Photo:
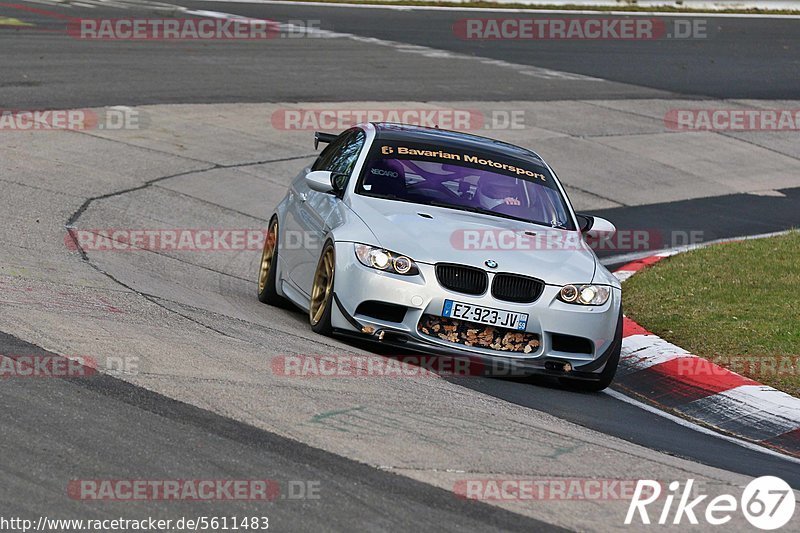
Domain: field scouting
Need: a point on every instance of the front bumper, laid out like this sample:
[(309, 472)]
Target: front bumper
[(422, 295)]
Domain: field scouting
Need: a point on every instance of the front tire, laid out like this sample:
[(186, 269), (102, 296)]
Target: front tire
[(321, 305), (268, 268)]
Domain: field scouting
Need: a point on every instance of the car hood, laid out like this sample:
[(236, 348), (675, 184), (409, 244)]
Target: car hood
[(431, 234)]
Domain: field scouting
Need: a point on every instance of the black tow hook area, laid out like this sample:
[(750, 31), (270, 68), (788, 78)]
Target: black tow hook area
[(559, 366)]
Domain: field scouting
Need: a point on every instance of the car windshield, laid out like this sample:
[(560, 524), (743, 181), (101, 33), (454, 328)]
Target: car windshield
[(519, 190)]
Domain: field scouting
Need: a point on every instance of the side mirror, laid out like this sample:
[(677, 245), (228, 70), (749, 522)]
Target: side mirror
[(584, 222), (596, 228), (320, 180)]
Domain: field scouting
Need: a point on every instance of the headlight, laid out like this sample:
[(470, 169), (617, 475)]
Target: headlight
[(385, 260), (585, 294), (569, 293)]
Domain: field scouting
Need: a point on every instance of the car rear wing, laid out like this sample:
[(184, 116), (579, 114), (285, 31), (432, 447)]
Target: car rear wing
[(320, 137)]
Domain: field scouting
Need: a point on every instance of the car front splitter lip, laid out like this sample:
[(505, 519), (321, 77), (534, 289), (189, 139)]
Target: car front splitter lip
[(482, 364), (493, 366)]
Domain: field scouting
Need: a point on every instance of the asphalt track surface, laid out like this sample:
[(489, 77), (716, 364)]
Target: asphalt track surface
[(721, 217), (116, 418), (739, 58), (62, 429)]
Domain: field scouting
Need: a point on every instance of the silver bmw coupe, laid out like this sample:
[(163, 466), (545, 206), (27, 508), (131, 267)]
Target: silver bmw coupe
[(449, 244)]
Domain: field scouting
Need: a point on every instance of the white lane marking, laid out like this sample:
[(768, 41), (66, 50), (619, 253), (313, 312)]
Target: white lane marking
[(225, 16), (435, 53), (769, 193), (511, 9), (691, 425), (425, 51), (525, 70)]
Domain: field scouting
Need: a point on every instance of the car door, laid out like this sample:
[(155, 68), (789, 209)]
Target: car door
[(313, 209), (290, 237)]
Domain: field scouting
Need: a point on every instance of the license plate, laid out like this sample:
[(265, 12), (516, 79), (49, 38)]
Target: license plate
[(485, 315)]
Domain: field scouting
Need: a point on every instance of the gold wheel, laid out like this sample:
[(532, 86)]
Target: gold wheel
[(323, 286), (267, 255)]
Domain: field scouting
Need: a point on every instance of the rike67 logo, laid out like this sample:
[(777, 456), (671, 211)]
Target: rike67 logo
[(767, 503)]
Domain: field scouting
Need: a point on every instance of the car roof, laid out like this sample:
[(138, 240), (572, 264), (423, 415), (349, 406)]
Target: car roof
[(390, 131)]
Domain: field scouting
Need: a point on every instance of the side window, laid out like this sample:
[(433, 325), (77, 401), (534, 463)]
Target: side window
[(345, 159), (341, 155), (324, 159)]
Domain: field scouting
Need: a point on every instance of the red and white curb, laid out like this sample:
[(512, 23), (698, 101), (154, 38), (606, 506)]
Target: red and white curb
[(669, 377)]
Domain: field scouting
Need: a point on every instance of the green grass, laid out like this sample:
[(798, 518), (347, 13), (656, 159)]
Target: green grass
[(621, 6), (737, 304)]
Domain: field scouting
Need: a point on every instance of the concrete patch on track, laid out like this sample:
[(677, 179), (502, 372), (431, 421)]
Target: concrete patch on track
[(200, 336)]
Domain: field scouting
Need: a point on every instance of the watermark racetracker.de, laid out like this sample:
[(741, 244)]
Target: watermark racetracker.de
[(545, 489), (732, 119), (190, 29), (762, 365), (113, 119), (376, 366), (150, 524), (168, 239), (133, 490), (478, 240), (525, 239), (26, 366), (338, 118), (545, 28)]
